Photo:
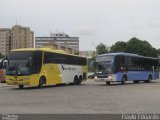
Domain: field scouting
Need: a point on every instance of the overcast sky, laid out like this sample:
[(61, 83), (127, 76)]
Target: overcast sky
[(93, 21)]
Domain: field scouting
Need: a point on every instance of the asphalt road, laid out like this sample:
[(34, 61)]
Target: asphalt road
[(90, 97)]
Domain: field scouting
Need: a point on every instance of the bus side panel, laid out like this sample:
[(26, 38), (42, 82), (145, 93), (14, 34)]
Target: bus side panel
[(137, 75), (132, 75), (120, 75), (156, 75), (68, 72), (52, 74)]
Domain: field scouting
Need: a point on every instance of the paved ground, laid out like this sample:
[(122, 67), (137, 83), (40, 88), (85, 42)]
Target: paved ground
[(90, 97)]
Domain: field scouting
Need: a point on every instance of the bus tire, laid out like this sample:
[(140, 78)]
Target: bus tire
[(149, 79), (41, 82), (124, 79), (79, 80), (21, 86), (76, 80), (107, 83), (135, 81)]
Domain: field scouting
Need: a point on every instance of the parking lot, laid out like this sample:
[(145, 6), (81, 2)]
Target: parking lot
[(90, 97)]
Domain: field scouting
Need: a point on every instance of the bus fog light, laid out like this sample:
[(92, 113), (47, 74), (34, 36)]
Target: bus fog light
[(95, 77)]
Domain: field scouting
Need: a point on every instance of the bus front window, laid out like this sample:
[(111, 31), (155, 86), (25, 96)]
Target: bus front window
[(103, 68), (19, 67), (24, 62), (19, 63)]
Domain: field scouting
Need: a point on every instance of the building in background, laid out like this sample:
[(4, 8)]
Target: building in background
[(14, 38), (22, 37), (88, 54), (59, 38), (54, 45), (5, 41)]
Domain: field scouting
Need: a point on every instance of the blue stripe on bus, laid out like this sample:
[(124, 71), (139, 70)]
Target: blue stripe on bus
[(137, 75)]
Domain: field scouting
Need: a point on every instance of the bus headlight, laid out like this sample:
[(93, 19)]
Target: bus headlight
[(95, 77), (110, 77)]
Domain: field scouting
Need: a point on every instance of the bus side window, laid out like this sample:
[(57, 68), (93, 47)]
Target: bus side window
[(123, 67)]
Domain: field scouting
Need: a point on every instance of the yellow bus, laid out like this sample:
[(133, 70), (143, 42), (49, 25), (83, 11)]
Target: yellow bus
[(44, 66)]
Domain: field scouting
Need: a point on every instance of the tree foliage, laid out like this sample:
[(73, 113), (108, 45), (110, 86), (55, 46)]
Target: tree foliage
[(119, 46), (135, 46), (101, 49), (158, 52)]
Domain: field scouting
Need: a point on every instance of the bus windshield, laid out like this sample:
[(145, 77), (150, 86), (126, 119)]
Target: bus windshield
[(20, 67), (24, 62), (104, 64), (103, 67)]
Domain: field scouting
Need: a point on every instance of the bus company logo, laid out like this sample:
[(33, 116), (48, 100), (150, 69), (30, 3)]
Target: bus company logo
[(67, 68)]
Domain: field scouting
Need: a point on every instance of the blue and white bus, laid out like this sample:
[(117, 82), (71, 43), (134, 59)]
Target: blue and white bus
[(122, 67)]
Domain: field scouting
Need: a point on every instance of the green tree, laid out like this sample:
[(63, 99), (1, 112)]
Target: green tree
[(158, 50), (119, 46), (140, 47), (136, 46), (101, 49), (91, 64)]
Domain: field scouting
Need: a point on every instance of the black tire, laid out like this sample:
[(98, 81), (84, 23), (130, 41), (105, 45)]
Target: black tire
[(76, 80), (107, 83), (124, 79), (149, 79), (21, 86), (135, 81), (79, 80), (41, 82)]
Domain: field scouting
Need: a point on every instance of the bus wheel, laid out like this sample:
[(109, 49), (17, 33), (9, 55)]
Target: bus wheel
[(21, 86), (41, 82), (149, 79), (124, 79), (135, 81), (107, 83), (79, 80), (76, 80)]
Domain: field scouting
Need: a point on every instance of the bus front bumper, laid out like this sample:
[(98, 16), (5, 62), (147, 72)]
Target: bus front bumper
[(14, 82), (108, 79)]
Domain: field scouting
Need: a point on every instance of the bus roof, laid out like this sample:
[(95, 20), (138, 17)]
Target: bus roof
[(126, 54), (46, 49)]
